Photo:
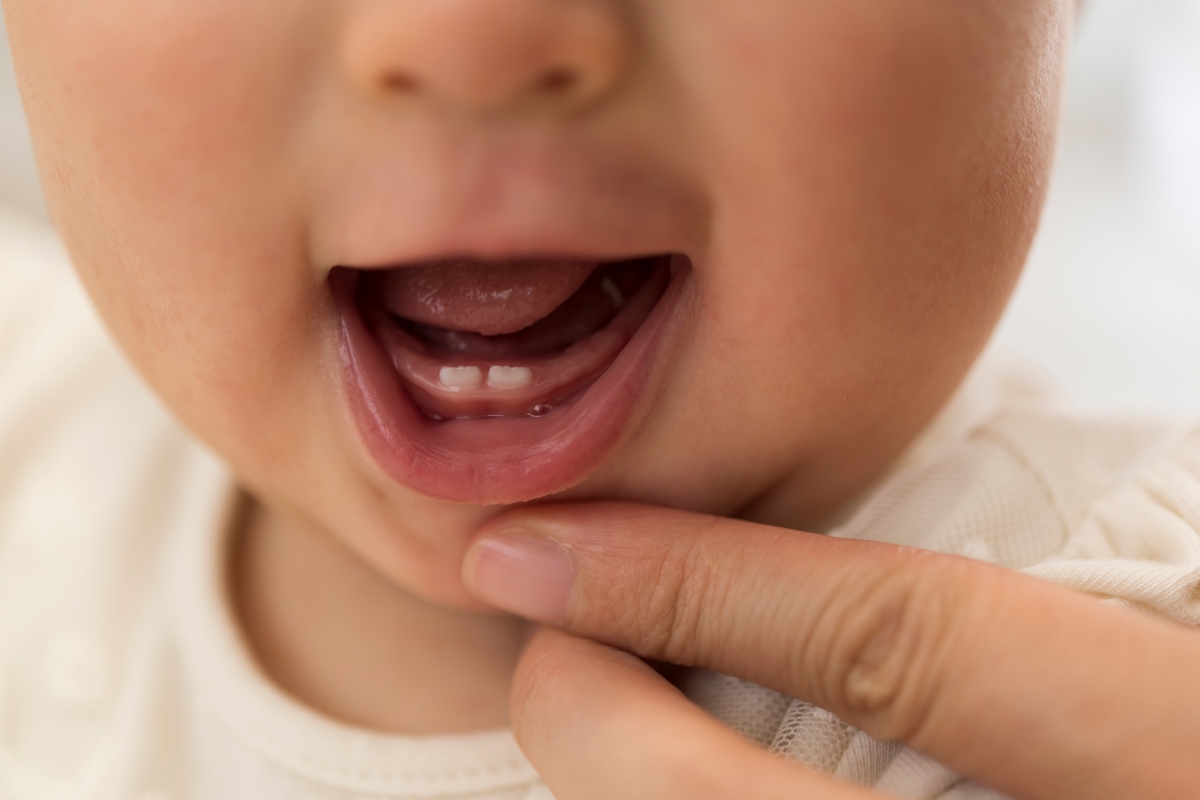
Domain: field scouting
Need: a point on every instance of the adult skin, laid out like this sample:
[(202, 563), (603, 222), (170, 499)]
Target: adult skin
[(1034, 690)]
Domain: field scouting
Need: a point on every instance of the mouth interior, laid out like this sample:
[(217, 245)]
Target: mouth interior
[(474, 339)]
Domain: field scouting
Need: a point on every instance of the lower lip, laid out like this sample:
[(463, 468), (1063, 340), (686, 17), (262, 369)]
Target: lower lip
[(495, 460)]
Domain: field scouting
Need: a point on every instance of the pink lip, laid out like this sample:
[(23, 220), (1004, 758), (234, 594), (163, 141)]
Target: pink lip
[(496, 460)]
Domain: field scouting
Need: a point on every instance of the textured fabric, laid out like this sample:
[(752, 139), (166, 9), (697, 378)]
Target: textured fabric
[(1104, 506), (123, 675)]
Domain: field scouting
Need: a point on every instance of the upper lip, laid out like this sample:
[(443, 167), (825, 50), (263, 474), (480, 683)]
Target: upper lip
[(495, 202), (452, 254), (516, 246)]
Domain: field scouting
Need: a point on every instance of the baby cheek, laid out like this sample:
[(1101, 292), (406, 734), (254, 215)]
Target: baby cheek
[(151, 86), (162, 130), (173, 114)]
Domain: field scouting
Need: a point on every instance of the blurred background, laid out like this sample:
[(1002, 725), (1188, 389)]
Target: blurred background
[(1109, 307)]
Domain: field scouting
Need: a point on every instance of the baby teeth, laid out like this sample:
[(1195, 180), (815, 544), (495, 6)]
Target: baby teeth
[(509, 377), (456, 378), (461, 377), (614, 294)]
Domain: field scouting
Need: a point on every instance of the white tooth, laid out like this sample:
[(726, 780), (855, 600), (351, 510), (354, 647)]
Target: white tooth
[(509, 377), (460, 377), (614, 294)]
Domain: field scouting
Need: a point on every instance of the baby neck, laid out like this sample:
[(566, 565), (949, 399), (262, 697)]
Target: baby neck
[(340, 638)]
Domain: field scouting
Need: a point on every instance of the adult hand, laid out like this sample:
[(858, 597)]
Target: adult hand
[(1032, 689)]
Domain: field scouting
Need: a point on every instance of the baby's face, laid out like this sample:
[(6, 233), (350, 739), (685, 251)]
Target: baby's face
[(404, 261)]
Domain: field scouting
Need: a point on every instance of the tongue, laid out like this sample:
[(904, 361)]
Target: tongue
[(489, 298)]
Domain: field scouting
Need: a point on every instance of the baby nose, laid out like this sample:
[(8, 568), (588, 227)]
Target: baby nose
[(489, 55)]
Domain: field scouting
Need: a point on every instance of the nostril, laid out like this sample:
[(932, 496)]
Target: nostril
[(488, 56), (401, 82), (557, 81)]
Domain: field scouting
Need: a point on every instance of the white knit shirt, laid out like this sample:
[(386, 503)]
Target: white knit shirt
[(1104, 506), (123, 674)]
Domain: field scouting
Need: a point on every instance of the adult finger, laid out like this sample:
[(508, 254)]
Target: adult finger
[(1033, 689), (599, 724)]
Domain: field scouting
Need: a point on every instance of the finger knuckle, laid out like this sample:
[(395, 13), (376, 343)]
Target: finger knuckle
[(891, 641), (665, 613)]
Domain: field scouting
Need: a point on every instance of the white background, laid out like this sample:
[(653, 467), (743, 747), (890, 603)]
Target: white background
[(1109, 307)]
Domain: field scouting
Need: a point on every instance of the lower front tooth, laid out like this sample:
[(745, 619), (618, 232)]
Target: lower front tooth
[(509, 377), (614, 294), (460, 377)]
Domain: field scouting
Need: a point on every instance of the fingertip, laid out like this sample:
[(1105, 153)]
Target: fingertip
[(600, 723), (522, 573), (557, 692)]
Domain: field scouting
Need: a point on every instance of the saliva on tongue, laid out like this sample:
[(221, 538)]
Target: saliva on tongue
[(477, 339)]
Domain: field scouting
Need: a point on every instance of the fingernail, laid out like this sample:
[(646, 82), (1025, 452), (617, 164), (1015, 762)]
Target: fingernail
[(526, 575)]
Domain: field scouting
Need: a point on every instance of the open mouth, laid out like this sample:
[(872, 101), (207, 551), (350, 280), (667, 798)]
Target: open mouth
[(500, 381), (516, 348)]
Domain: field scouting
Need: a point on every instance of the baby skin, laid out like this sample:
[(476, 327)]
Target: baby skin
[(404, 264)]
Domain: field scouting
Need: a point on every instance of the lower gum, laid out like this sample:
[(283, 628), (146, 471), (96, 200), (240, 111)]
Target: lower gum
[(554, 381)]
